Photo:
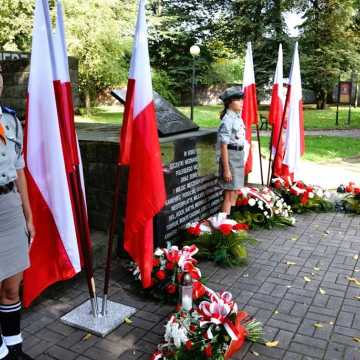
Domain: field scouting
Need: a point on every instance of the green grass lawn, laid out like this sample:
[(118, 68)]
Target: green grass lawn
[(323, 148), (208, 116)]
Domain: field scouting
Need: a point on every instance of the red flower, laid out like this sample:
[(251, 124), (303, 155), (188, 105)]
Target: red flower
[(194, 230), (293, 191), (156, 262), (170, 289), (169, 266), (309, 189), (208, 351), (179, 277), (238, 227), (357, 191), (155, 355), (245, 201), (160, 274), (242, 201), (225, 229), (188, 345), (192, 327), (300, 185), (277, 184), (198, 290), (349, 188), (304, 198)]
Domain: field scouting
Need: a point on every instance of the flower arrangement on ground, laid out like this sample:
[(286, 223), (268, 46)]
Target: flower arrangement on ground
[(262, 208), (169, 264), (351, 201), (220, 239), (302, 197), (213, 330)]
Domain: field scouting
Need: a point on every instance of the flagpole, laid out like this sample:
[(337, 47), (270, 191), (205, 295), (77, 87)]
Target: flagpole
[(74, 181), (259, 146), (270, 157), (112, 229), (281, 129)]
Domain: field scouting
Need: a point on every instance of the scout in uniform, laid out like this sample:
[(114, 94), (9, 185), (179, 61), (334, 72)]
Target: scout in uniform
[(231, 145), (16, 228)]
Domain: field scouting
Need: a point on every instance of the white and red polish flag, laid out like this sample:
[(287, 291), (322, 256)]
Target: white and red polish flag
[(276, 115), (140, 150), (250, 110), (54, 254), (65, 107), (294, 140)]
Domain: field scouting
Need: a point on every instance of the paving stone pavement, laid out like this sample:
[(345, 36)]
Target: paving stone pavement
[(323, 248)]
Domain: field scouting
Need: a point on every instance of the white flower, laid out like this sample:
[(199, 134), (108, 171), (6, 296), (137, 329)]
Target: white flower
[(319, 192), (252, 202), (205, 228), (311, 195), (261, 205), (158, 252), (217, 219), (175, 332), (292, 221), (276, 211), (279, 204), (266, 213), (327, 194)]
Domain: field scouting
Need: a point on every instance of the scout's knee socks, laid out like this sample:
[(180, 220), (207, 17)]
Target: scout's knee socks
[(10, 323)]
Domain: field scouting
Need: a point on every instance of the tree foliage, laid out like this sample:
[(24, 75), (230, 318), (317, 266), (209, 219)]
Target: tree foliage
[(99, 34), (16, 24), (329, 44)]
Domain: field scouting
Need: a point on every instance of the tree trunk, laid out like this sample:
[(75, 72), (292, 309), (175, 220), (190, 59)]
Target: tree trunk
[(87, 100), (321, 100)]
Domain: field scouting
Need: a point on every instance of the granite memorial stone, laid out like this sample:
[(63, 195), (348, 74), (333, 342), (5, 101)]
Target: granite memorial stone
[(170, 120)]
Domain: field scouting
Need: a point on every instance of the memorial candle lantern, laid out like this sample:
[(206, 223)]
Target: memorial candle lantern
[(186, 292)]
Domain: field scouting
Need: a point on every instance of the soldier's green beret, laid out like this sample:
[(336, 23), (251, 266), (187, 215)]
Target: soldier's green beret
[(234, 92)]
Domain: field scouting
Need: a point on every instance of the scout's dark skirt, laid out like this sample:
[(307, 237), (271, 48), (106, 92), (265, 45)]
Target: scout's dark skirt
[(14, 256), (236, 162)]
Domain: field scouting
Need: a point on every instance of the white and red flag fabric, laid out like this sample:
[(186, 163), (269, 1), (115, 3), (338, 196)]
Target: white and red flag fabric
[(54, 254), (294, 139), (276, 116), (65, 107), (140, 150), (250, 109)]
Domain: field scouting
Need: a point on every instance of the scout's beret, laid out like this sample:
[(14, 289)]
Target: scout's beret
[(234, 92)]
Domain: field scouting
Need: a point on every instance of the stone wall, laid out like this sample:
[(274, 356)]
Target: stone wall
[(15, 71)]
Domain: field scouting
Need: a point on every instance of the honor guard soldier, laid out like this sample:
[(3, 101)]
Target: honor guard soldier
[(16, 229), (231, 145)]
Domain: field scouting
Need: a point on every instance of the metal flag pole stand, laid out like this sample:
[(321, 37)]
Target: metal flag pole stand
[(259, 147), (270, 157), (85, 316)]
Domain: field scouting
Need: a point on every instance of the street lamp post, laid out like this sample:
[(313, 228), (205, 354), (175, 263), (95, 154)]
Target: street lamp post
[(195, 52)]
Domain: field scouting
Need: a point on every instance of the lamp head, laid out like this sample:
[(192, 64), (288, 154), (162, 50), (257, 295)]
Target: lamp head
[(195, 51)]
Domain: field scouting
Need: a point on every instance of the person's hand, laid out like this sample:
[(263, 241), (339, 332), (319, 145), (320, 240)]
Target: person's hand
[(227, 175), (31, 230)]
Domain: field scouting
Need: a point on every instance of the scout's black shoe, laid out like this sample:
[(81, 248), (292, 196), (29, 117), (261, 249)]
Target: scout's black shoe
[(16, 353)]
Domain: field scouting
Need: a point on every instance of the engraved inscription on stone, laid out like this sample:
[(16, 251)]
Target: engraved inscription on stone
[(190, 197)]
